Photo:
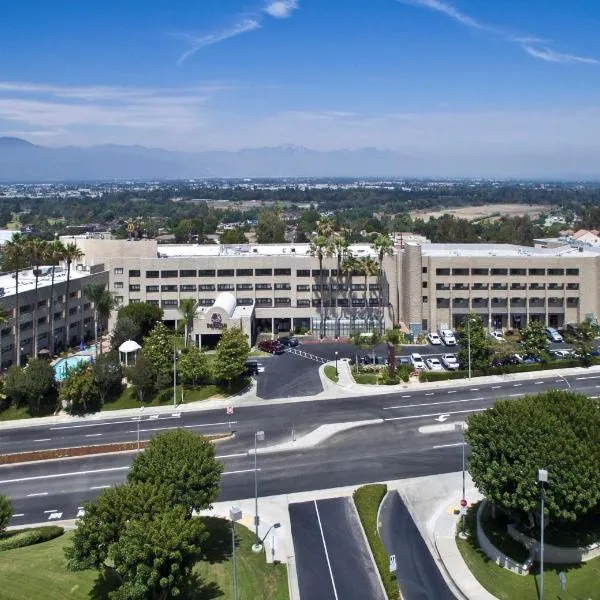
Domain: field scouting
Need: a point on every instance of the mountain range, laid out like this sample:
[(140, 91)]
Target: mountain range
[(22, 161)]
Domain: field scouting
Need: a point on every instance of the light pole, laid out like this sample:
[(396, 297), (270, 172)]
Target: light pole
[(174, 375), (463, 501), (542, 478), (336, 357), (469, 342), (235, 514), (138, 427), (259, 436)]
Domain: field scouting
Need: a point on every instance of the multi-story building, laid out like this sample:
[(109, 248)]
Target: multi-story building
[(423, 286), (34, 319)]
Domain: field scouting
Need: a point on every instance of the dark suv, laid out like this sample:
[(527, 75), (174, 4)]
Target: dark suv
[(289, 341), (272, 346)]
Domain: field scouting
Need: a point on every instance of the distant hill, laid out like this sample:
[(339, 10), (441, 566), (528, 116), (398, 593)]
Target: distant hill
[(21, 161)]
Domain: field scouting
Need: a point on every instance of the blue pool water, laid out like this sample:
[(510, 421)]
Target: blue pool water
[(61, 368)]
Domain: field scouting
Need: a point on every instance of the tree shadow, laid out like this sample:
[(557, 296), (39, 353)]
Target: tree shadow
[(198, 589), (218, 546), (106, 582)]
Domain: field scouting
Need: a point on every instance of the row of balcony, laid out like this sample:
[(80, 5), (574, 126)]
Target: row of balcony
[(506, 286)]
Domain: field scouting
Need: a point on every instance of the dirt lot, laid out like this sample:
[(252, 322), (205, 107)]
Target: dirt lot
[(489, 210)]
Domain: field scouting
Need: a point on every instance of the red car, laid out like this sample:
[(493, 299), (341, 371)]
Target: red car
[(272, 346)]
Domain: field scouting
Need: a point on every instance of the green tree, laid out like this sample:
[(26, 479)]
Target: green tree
[(183, 462), (270, 228), (15, 385), (39, 383), (481, 344), (582, 340), (142, 377), (71, 253), (319, 248), (556, 430), (103, 302), (4, 316), (125, 329), (359, 342), (158, 347), (231, 356), (187, 310), (144, 315), (6, 512), (383, 245), (78, 392), (233, 236), (108, 376), (192, 365), (534, 341)]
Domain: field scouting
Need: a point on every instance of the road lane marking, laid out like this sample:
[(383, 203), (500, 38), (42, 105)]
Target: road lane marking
[(452, 391), (435, 403), (99, 487), (55, 516), (93, 435), (496, 387), (51, 511), (240, 471), (517, 384), (429, 394), (231, 455), (325, 548), (538, 383), (19, 515), (40, 494), (474, 390), (449, 445), (178, 427), (515, 395), (455, 412), (58, 475), (407, 396), (104, 423), (43, 440), (590, 377)]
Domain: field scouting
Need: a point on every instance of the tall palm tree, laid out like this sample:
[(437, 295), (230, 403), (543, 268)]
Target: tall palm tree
[(326, 227), (350, 266), (368, 266), (383, 245), (38, 250), (105, 305), (339, 248), (3, 320), (187, 310), (15, 258), (71, 253), (319, 247), (103, 302), (56, 251)]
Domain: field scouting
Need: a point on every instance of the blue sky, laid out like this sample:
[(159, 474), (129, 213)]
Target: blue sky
[(421, 76)]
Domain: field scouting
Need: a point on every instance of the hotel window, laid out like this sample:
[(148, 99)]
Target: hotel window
[(358, 287), (206, 273), (425, 299), (168, 274), (343, 302), (25, 308), (152, 288), (153, 302), (169, 303), (131, 301), (499, 272), (424, 285), (243, 272), (225, 287), (134, 287), (187, 273), (518, 272), (118, 301), (322, 273), (42, 304), (442, 272), (206, 301), (41, 320), (556, 272), (572, 286), (316, 302), (283, 271), (573, 272), (316, 287), (245, 301), (168, 288), (152, 274), (264, 301), (358, 301), (134, 272), (303, 288), (87, 306), (460, 272), (244, 286), (118, 271), (263, 286), (285, 301), (225, 273), (283, 286), (424, 270), (538, 272), (302, 272), (74, 310), (188, 287), (207, 287), (572, 301), (480, 271), (74, 294), (302, 303), (118, 285), (263, 272)]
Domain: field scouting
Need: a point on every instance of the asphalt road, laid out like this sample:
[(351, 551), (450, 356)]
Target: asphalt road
[(416, 571), (393, 449), (288, 376), (332, 559)]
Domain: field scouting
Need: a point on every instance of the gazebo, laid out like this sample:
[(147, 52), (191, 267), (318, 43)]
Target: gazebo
[(127, 348)]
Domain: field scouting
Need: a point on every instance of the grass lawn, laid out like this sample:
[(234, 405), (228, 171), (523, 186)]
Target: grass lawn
[(11, 413), (582, 580), (331, 373), (39, 572), (365, 378)]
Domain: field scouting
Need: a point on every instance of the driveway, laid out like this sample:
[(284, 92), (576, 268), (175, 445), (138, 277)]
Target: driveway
[(288, 376)]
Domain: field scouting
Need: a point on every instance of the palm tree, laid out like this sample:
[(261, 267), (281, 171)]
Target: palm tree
[(38, 250), (15, 259), (383, 245), (350, 266), (340, 249), (71, 252), (187, 310), (3, 320), (319, 247), (56, 251), (103, 302), (368, 266), (104, 306)]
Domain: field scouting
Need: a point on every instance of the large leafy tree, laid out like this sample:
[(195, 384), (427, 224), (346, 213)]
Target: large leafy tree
[(231, 355), (270, 228), (535, 342), (158, 347), (582, 340), (15, 385), (184, 463), (39, 383), (125, 329), (6, 512), (556, 430), (144, 315), (187, 310), (142, 376), (192, 365), (481, 344), (78, 392), (108, 375)]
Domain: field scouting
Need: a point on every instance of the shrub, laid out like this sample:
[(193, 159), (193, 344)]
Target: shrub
[(28, 537), (367, 500)]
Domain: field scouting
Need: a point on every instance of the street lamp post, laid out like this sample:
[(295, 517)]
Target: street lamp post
[(235, 514), (174, 375), (259, 436), (336, 358), (542, 478), (463, 502), (469, 343)]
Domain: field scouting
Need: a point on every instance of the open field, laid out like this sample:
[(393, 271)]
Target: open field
[(489, 210)]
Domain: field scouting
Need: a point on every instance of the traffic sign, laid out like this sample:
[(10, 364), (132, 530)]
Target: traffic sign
[(392, 563), (463, 502), (230, 410), (130, 227)]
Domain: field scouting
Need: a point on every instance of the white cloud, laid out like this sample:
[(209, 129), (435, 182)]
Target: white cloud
[(214, 38), (449, 11), (558, 57), (281, 9)]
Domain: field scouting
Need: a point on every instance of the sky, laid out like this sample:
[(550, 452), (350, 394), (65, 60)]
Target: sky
[(417, 76)]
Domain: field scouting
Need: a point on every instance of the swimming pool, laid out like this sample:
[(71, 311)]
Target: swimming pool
[(61, 368)]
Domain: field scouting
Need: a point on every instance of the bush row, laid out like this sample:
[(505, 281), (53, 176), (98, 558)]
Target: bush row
[(367, 500), (28, 537)]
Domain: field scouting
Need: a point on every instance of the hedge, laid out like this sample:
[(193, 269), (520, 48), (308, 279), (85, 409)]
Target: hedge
[(27, 537), (367, 500)]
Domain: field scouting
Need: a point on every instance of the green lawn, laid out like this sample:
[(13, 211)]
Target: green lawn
[(39, 572), (11, 413), (331, 373), (365, 378), (582, 580)]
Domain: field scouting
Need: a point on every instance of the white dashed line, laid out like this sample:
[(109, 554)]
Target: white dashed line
[(538, 383), (326, 553), (517, 384), (93, 435), (474, 390), (449, 445), (433, 403), (19, 515), (590, 377), (237, 472), (429, 394), (408, 396), (40, 494), (496, 387), (452, 391), (99, 487), (455, 412), (44, 440), (50, 511), (57, 475), (515, 395)]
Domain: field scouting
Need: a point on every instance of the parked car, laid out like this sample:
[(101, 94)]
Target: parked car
[(497, 335), (403, 360), (560, 353), (289, 341), (417, 361), (450, 361), (272, 346), (524, 359), (448, 337), (553, 335), (251, 368), (434, 338), (434, 364)]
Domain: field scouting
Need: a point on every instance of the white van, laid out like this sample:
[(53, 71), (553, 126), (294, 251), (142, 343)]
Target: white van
[(447, 336)]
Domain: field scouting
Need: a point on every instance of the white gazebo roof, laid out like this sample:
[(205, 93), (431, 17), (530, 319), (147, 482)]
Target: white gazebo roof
[(129, 346)]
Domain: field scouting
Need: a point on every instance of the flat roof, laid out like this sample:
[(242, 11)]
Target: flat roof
[(186, 250), (27, 279), (502, 251)]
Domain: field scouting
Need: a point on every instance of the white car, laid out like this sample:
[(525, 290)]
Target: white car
[(450, 361), (561, 353), (498, 336), (434, 338), (433, 364), (553, 335), (417, 361), (448, 337)]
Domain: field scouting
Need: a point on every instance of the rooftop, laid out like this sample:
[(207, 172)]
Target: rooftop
[(185, 250), (502, 251), (27, 279)]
